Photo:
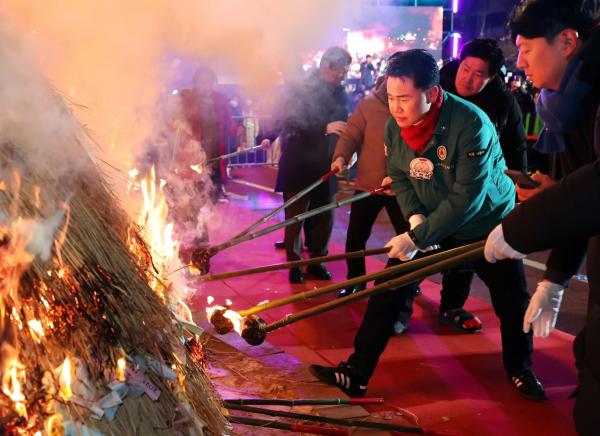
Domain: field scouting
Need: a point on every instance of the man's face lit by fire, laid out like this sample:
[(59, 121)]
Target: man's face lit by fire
[(408, 104)]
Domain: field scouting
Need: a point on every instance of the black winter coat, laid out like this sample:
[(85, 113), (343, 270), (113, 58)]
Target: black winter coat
[(504, 111), (306, 150)]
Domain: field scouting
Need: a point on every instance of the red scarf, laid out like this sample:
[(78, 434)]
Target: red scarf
[(416, 136)]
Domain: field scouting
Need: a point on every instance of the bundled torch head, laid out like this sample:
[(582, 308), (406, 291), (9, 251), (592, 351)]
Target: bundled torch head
[(222, 324), (253, 330), (201, 258)]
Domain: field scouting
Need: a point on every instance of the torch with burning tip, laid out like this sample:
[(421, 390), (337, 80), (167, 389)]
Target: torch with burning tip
[(254, 330), (201, 256)]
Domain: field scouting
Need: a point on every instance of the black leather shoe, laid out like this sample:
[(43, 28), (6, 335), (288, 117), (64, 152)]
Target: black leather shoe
[(350, 290), (319, 272), (280, 245), (528, 385), (296, 276)]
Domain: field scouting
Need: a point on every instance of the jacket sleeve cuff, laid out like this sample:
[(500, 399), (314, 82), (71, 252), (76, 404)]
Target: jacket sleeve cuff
[(558, 277)]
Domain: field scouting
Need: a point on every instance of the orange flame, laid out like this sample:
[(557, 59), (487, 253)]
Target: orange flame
[(156, 231), (65, 380), (14, 376), (198, 168), (121, 366), (37, 330)]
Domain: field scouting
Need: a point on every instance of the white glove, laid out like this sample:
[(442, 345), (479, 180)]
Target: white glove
[(543, 309), (414, 221), (496, 248), (403, 247)]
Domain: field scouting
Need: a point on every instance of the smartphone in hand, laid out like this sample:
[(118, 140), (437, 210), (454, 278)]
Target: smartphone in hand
[(522, 179)]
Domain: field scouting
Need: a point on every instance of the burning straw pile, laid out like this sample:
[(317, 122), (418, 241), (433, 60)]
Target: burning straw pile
[(86, 345)]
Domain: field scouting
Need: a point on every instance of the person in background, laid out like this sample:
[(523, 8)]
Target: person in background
[(315, 115), (367, 74)]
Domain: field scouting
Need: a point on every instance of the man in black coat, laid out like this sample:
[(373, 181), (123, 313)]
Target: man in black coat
[(561, 55), (476, 77), (315, 116)]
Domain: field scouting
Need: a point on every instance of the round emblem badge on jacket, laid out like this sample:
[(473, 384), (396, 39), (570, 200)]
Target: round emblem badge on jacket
[(421, 168), (442, 152)]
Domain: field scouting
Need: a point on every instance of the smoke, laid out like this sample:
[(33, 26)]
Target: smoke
[(115, 58)]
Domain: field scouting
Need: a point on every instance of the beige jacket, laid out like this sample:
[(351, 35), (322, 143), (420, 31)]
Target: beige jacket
[(364, 135)]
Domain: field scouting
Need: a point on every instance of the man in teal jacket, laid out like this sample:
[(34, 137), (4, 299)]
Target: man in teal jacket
[(447, 172)]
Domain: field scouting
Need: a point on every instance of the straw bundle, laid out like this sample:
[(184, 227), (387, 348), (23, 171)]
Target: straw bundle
[(93, 299)]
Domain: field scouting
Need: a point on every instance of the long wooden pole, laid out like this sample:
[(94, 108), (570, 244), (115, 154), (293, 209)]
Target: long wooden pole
[(326, 419), (292, 427), (302, 402), (392, 271), (289, 202), (293, 264), (298, 218), (409, 278)]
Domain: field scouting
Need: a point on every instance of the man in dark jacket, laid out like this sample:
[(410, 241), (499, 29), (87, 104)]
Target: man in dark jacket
[(476, 77), (315, 116), (561, 55)]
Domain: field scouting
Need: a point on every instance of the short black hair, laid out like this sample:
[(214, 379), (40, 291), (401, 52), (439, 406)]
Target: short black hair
[(417, 64), (486, 49), (547, 18), (335, 56)]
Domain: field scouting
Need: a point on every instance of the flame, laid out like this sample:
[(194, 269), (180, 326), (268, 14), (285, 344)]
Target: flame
[(210, 299), (54, 425), (198, 168), (14, 376), (121, 366), (232, 315), (157, 233), (37, 330), (65, 380)]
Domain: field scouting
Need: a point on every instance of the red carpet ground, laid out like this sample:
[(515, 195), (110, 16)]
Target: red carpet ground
[(450, 380)]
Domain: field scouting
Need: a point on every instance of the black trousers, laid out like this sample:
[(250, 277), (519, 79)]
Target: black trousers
[(587, 352), (319, 228), (363, 214), (506, 282)]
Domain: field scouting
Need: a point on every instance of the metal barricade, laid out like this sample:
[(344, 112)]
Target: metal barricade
[(243, 136)]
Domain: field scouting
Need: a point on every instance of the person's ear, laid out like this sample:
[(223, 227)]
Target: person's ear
[(568, 41), (432, 94)]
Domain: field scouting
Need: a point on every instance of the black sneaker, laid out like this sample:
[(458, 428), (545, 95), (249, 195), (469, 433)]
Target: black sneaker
[(528, 385), (344, 376)]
